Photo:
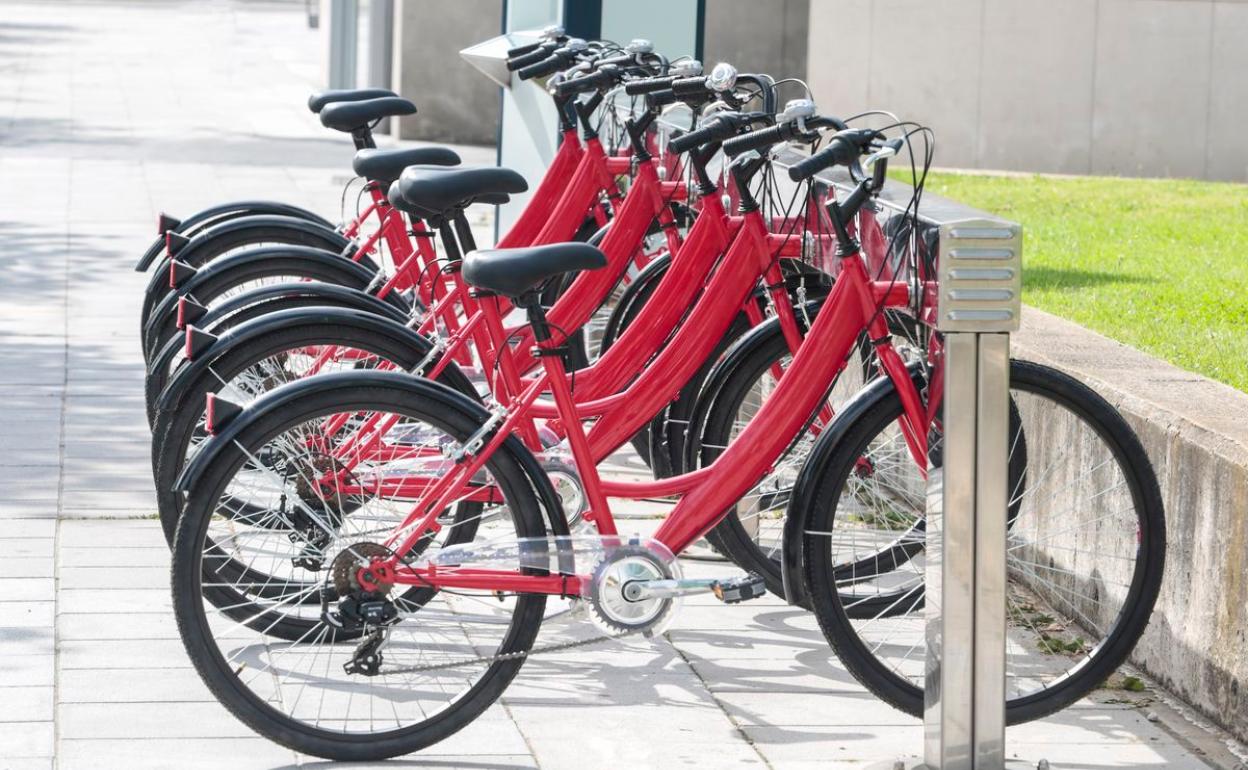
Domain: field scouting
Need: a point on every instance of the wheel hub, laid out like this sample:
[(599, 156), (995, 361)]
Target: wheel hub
[(361, 567)]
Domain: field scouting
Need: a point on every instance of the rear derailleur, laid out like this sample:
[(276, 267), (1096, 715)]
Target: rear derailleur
[(361, 586)]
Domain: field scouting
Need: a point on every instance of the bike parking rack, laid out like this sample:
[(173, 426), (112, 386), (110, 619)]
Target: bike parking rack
[(979, 278)]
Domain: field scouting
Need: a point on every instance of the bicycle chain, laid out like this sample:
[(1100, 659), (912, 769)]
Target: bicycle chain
[(506, 656)]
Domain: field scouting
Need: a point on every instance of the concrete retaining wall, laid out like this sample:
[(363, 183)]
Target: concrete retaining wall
[(1196, 434)]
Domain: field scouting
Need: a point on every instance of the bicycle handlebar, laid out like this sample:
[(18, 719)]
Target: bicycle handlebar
[(806, 131), (649, 85), (764, 137), (694, 87), (844, 149), (537, 53), (548, 66), (717, 128), (592, 81)]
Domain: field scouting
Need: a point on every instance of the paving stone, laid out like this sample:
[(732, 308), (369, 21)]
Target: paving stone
[(25, 670), (26, 740), (125, 601), (35, 567), (25, 547), (116, 557), (134, 686), (113, 577), (143, 721), (122, 534), (107, 625), (27, 589), (26, 614), (32, 528), (122, 654), (26, 703), (210, 754)]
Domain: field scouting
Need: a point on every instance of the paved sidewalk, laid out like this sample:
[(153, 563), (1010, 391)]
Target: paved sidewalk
[(111, 112)]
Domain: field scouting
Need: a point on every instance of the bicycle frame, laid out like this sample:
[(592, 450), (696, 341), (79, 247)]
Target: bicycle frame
[(707, 493)]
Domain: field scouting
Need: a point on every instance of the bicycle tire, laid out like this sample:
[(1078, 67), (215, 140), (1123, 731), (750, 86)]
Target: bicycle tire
[(215, 241), (237, 270), (1128, 454)]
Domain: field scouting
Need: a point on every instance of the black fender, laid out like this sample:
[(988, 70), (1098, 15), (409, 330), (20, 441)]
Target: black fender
[(333, 295), (594, 238), (373, 325), (420, 387), (316, 234), (738, 352), (308, 293), (361, 275), (217, 214), (812, 471)]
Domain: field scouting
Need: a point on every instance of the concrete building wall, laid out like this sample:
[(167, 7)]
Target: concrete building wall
[(758, 37), (454, 102), (1126, 87)]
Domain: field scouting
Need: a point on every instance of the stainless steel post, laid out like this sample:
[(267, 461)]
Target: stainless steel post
[(979, 277)]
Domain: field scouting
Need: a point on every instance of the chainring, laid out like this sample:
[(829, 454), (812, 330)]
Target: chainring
[(610, 610)]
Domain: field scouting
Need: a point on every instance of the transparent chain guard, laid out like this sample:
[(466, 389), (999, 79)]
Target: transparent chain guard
[(590, 556), (573, 555)]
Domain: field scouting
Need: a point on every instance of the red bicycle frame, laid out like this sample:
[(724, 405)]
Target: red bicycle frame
[(853, 306)]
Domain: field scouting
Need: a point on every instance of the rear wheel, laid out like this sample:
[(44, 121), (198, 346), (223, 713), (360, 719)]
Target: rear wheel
[(214, 246), (436, 661), (280, 267), (255, 367)]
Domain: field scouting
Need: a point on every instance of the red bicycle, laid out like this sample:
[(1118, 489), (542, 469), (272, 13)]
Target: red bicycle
[(260, 354), (366, 558)]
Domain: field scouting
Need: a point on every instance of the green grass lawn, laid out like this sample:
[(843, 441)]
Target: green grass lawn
[(1161, 265)]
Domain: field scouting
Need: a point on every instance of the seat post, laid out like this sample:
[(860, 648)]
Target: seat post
[(463, 230), (552, 356)]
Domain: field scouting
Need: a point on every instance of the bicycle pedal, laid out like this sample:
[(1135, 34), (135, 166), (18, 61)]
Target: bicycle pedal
[(739, 589)]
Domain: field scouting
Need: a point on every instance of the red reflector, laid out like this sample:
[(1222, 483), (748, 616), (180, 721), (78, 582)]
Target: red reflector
[(210, 418), (181, 312), (173, 274), (186, 349)]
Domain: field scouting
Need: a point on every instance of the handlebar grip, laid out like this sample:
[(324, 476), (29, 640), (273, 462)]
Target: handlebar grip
[(648, 85), (532, 57), (524, 49), (755, 140), (662, 98), (590, 82), (838, 152), (617, 61), (685, 88), (547, 66), (715, 129)]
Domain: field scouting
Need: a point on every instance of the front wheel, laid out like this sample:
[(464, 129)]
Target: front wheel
[(1085, 548)]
